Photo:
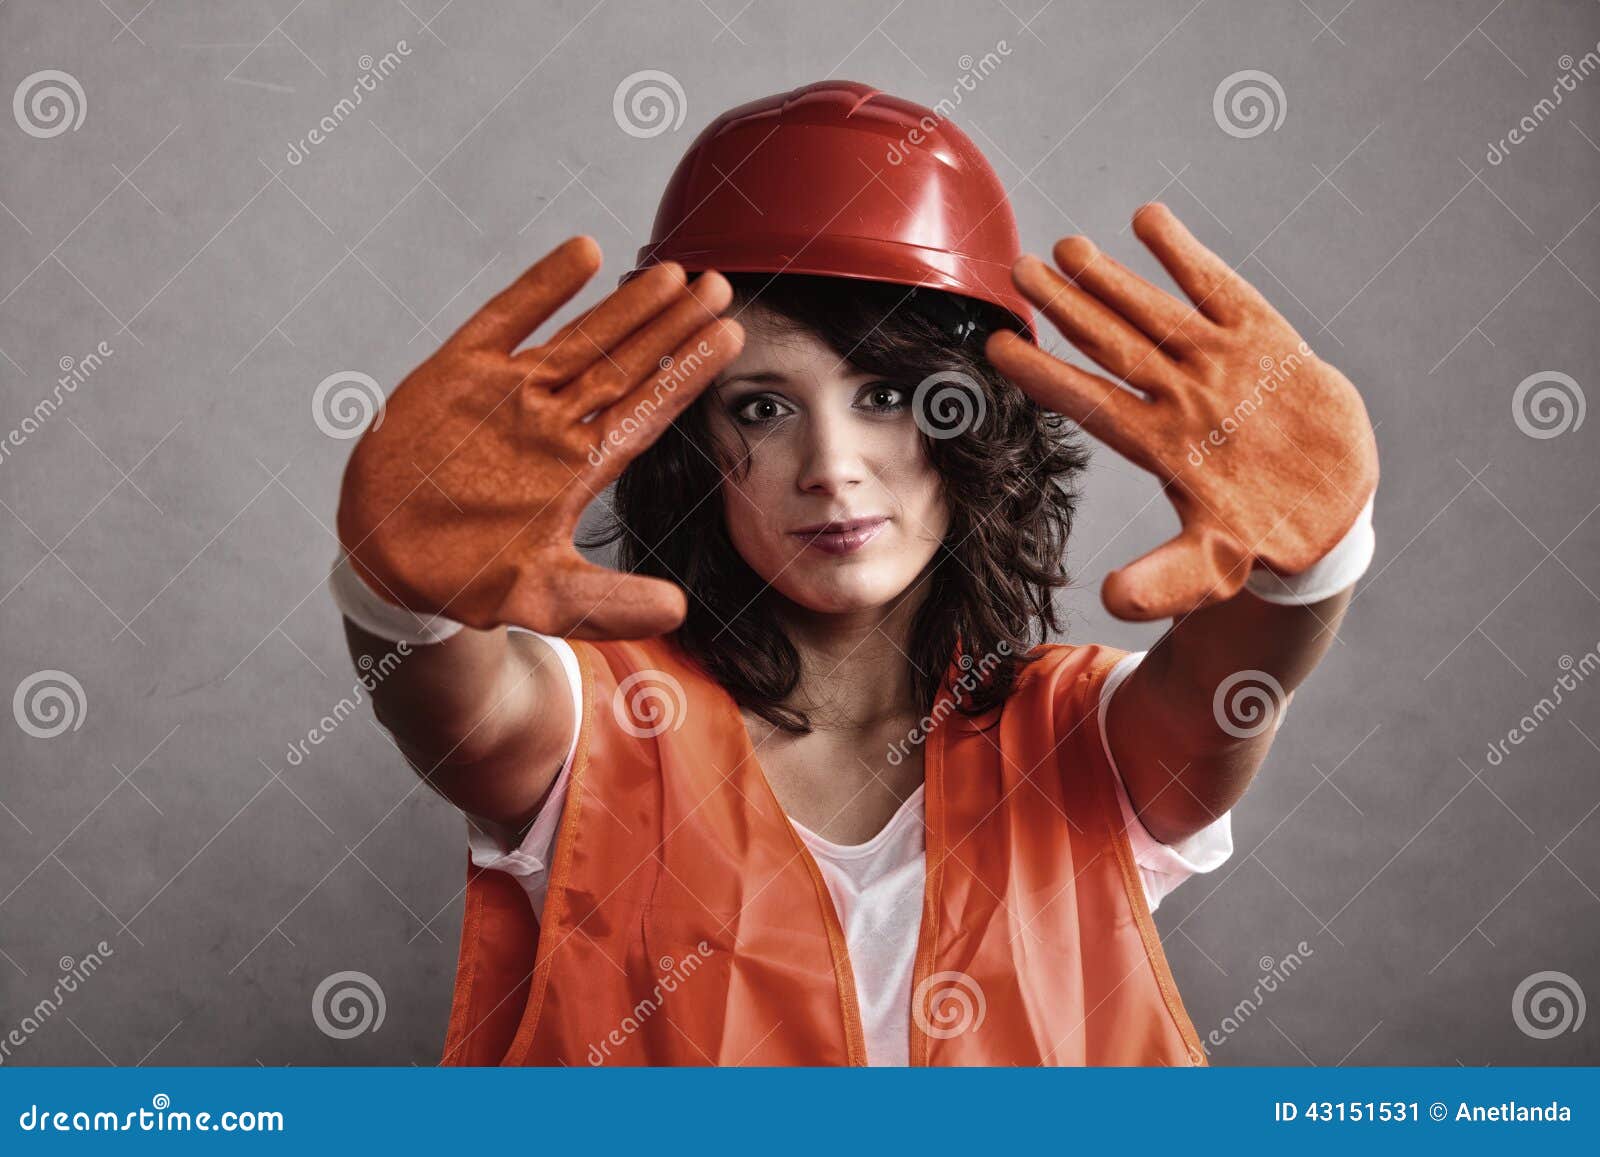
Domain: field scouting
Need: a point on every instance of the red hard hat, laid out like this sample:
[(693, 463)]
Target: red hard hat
[(839, 179)]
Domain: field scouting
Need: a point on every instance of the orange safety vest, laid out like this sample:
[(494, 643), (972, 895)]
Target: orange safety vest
[(687, 924)]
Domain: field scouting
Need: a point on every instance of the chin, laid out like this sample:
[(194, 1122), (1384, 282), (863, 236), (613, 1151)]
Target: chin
[(845, 590)]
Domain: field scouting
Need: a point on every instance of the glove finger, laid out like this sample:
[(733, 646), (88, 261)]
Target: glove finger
[(1211, 283), (584, 601), (1159, 316), (645, 351), (1197, 567), (590, 337), (1104, 409), (627, 427), (1093, 326), (516, 311)]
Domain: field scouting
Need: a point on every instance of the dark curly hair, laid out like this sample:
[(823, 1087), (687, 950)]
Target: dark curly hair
[(1009, 481)]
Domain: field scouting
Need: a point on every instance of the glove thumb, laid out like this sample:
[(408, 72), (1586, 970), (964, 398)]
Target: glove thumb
[(584, 601), (1201, 565)]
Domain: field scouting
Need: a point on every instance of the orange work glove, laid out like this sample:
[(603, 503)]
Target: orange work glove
[(1265, 450), (462, 498)]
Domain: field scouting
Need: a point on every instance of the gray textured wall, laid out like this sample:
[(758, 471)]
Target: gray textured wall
[(166, 529)]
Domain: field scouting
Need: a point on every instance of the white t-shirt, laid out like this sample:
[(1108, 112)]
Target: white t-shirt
[(877, 887)]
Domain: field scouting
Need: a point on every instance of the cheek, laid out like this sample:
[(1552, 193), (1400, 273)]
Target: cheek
[(744, 490), (919, 493), (750, 504)]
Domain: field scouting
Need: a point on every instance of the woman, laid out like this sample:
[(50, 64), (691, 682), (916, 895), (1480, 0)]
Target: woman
[(797, 786)]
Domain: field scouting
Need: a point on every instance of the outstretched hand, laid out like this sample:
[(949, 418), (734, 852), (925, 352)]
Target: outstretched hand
[(463, 497), (1264, 449)]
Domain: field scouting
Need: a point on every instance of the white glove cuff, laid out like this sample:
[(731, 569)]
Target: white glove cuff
[(1329, 575), (373, 613)]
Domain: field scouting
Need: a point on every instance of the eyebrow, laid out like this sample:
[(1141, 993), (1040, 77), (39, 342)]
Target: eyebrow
[(761, 377), (772, 377)]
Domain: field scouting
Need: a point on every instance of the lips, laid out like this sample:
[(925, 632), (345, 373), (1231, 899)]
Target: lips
[(841, 536), (840, 527)]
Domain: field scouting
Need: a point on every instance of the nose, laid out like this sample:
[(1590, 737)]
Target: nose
[(832, 457)]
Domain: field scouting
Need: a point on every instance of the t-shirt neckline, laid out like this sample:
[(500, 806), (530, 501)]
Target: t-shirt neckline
[(883, 836)]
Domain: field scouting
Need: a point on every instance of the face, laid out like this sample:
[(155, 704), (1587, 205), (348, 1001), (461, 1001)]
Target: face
[(840, 509)]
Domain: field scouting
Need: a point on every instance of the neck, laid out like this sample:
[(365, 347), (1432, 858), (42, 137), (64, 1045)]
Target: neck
[(854, 669)]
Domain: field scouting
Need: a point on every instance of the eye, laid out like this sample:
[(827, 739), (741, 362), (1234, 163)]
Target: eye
[(886, 397), (756, 410)]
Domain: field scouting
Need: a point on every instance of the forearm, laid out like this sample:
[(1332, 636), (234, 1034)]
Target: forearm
[(1195, 720), (446, 692), (1247, 640), (447, 702), (1220, 676)]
